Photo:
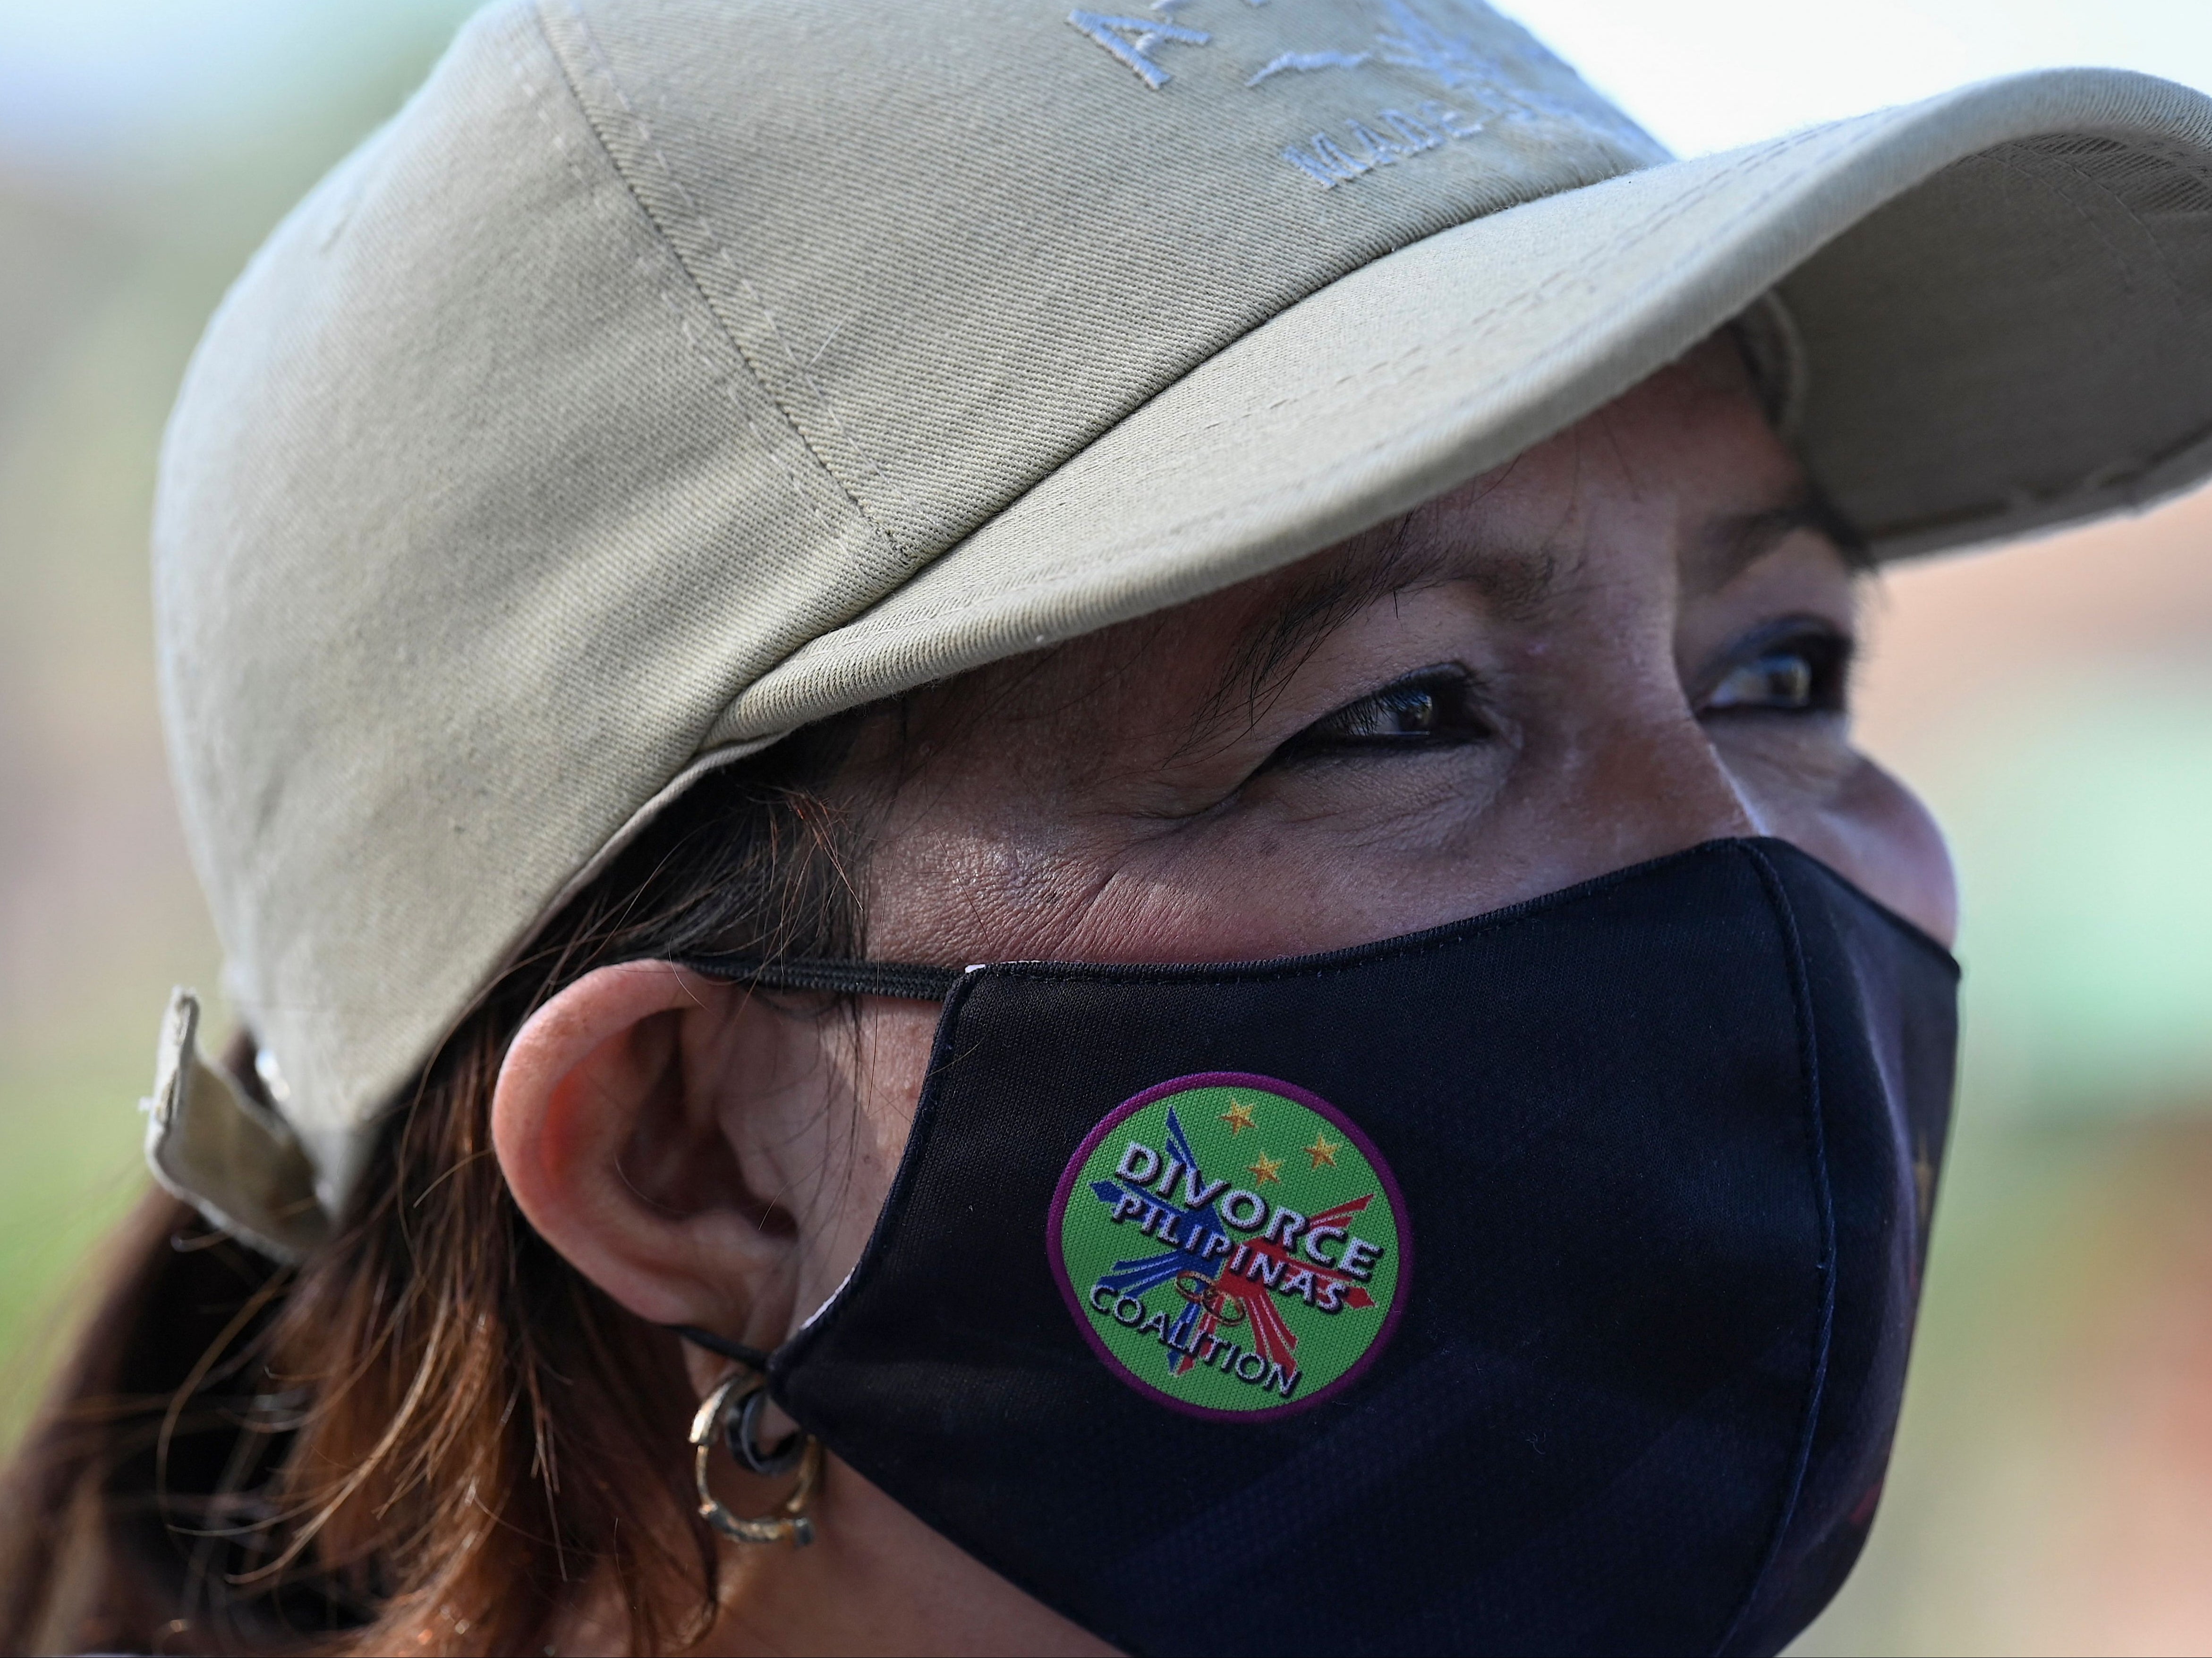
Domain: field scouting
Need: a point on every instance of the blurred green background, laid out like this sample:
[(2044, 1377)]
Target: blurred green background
[(2052, 1491)]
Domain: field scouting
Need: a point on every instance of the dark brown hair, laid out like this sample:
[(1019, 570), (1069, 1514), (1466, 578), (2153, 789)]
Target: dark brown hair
[(430, 1434)]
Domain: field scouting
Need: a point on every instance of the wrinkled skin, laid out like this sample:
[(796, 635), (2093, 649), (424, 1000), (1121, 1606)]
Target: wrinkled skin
[(1632, 639)]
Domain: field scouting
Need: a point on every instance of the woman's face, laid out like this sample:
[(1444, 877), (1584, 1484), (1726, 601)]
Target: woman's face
[(1632, 639)]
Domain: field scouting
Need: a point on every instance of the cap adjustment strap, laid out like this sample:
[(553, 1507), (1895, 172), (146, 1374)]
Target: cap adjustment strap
[(221, 1150)]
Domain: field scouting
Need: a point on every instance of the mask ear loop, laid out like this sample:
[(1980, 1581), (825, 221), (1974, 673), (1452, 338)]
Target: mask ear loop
[(732, 1414), (901, 981)]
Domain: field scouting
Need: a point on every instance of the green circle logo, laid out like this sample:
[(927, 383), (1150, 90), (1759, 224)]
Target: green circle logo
[(1231, 1245)]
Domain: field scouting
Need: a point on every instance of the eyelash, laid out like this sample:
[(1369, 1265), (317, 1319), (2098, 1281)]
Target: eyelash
[(1795, 666), (1432, 709)]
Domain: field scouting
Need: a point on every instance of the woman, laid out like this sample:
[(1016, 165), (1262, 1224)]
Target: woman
[(1294, 537)]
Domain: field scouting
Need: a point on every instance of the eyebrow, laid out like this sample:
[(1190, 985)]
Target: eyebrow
[(1732, 544), (1271, 647)]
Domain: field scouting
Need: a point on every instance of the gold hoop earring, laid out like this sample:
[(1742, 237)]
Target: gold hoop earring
[(731, 1413)]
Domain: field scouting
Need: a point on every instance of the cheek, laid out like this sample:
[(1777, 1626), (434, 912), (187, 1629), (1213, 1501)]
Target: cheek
[(1874, 832), (838, 1196)]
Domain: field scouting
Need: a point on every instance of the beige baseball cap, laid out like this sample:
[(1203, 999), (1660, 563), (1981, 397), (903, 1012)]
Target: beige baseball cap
[(671, 373)]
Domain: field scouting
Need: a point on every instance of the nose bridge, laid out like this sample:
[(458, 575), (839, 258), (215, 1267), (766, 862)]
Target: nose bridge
[(1655, 782), (1635, 774)]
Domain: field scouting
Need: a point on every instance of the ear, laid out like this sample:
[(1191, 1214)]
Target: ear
[(656, 1128)]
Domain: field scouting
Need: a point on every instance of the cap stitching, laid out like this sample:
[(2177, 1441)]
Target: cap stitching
[(1485, 325), (895, 635), (720, 250), (2007, 156), (1488, 321), (2115, 481), (717, 374), (2031, 510)]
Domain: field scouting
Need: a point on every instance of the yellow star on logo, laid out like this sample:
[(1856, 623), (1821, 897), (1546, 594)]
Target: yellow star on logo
[(1323, 1150), (1268, 1169), (1238, 1116)]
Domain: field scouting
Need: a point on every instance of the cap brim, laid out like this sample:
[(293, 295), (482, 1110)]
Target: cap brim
[(2004, 296)]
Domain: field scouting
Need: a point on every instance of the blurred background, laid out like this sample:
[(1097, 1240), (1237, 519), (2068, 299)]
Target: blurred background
[(2053, 1490)]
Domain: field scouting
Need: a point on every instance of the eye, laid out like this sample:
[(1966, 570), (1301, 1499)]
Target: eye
[(1432, 709), (1793, 667)]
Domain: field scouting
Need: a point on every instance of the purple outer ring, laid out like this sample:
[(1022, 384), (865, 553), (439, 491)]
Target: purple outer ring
[(1057, 1218)]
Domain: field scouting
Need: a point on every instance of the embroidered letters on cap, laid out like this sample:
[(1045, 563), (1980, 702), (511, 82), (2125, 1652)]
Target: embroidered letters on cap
[(1400, 35)]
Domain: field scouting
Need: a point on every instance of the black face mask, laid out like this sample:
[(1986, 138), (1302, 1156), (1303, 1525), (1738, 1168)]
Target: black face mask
[(1541, 1283)]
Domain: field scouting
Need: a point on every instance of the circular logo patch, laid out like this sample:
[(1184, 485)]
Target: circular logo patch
[(1231, 1245)]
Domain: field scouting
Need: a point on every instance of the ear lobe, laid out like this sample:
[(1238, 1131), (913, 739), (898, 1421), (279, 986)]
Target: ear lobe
[(615, 1120)]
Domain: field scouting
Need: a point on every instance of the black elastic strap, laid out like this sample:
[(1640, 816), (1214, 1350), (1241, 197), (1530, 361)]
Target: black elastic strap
[(715, 1343), (902, 979), (910, 983)]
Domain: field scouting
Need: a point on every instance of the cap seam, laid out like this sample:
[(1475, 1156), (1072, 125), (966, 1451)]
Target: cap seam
[(2117, 487), (1061, 581), (2112, 481), (717, 374), (1486, 322), (1756, 156), (2090, 181), (660, 234), (1622, 242), (2000, 156)]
